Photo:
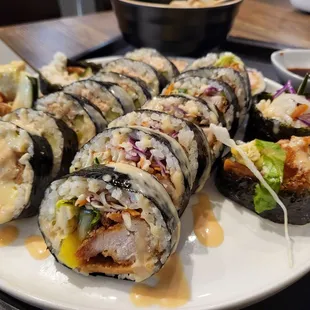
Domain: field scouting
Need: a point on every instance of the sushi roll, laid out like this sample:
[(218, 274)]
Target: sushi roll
[(26, 166), (193, 110), (99, 96), (284, 166), (134, 87), (113, 220), (154, 152), (121, 95), (219, 96), (224, 60), (78, 114), (279, 117), (61, 138), (17, 88), (189, 136), (229, 76), (152, 57), (137, 69), (63, 71)]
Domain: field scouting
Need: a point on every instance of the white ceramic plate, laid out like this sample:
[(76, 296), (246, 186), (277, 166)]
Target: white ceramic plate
[(251, 264)]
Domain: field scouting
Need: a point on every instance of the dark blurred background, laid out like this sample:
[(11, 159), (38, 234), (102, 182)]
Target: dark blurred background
[(21, 11)]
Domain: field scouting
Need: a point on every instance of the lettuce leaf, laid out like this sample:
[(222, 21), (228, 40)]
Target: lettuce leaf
[(271, 165)]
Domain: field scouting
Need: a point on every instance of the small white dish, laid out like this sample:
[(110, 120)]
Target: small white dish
[(303, 5), (291, 58)]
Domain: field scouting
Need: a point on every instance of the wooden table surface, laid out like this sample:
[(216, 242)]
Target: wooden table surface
[(273, 21)]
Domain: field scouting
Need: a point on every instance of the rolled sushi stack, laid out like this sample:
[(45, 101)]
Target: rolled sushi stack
[(134, 135), (278, 135)]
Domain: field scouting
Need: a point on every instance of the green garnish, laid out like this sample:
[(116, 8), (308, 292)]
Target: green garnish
[(302, 87), (96, 161), (271, 164), (182, 90)]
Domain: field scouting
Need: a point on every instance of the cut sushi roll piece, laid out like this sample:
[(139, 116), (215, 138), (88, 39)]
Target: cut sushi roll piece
[(189, 136), (17, 88), (193, 110), (99, 96), (121, 95), (77, 112), (134, 87), (26, 166), (114, 220), (147, 149), (219, 96), (63, 71), (61, 138), (284, 166), (137, 69), (229, 76), (279, 118), (152, 57), (224, 60)]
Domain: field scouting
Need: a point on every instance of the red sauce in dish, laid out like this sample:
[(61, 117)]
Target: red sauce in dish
[(299, 71)]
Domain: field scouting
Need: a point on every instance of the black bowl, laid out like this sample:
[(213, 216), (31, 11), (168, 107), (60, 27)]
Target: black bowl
[(175, 31)]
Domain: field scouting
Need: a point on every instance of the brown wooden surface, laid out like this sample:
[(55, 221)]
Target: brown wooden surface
[(272, 21)]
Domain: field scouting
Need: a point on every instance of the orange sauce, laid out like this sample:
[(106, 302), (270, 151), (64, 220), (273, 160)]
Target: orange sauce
[(8, 234), (206, 227), (172, 289), (36, 247)]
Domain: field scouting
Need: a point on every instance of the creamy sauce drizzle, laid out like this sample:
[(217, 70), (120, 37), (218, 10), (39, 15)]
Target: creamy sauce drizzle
[(36, 247), (172, 289), (8, 234), (206, 227)]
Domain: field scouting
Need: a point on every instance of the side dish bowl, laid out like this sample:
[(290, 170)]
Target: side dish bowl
[(175, 31)]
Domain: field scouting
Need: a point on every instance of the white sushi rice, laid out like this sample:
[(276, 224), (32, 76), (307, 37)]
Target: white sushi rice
[(39, 123), (97, 95), (202, 62), (16, 150), (153, 58), (63, 106), (135, 69), (133, 89)]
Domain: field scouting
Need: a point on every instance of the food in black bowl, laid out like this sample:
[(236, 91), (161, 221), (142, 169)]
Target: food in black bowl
[(176, 30)]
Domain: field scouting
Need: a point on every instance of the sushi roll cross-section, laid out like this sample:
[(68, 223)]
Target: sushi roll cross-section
[(149, 150), (189, 136), (152, 57), (61, 138), (134, 87), (218, 96), (77, 112), (192, 109), (99, 96), (277, 117), (136, 69), (113, 220), (26, 169), (284, 165)]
